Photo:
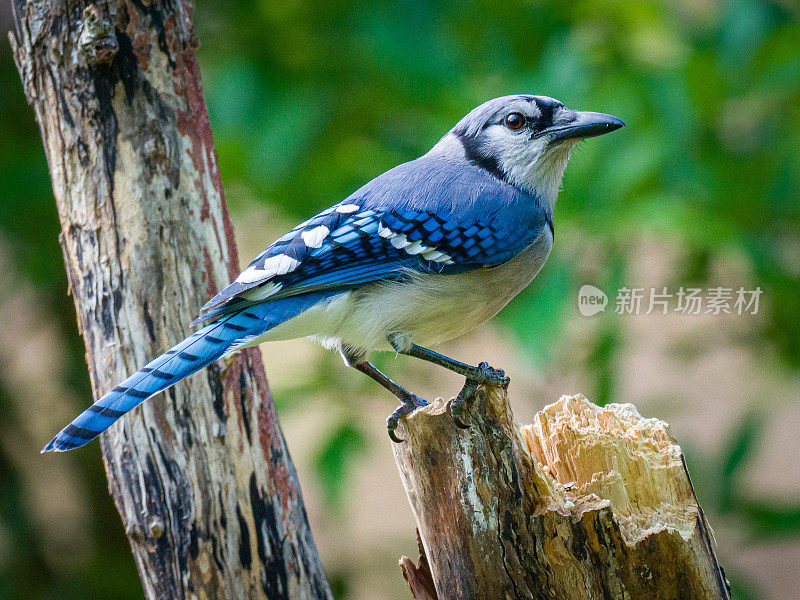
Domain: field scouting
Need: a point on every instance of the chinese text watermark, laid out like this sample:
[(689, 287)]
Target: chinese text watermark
[(683, 300)]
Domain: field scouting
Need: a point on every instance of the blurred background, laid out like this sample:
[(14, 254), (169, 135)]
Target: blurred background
[(308, 101)]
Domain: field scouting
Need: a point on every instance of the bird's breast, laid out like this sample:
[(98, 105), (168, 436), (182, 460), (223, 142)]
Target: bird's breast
[(431, 309)]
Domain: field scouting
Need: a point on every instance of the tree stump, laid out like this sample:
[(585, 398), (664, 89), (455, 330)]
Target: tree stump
[(585, 503)]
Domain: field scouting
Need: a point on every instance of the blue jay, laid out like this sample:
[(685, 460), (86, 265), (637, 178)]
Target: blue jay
[(419, 255)]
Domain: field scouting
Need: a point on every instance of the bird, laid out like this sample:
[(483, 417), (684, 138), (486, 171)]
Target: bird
[(421, 254)]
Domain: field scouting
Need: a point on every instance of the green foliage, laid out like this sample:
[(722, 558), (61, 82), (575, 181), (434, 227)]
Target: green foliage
[(741, 589), (721, 487), (309, 100), (766, 521), (339, 585), (334, 461), (743, 442), (337, 93)]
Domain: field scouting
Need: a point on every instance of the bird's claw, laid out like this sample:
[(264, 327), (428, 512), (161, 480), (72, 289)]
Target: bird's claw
[(408, 405), (483, 374)]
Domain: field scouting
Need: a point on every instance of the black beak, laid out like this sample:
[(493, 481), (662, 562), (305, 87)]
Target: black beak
[(583, 124)]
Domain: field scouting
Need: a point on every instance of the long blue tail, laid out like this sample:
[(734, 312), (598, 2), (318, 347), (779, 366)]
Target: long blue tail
[(192, 354)]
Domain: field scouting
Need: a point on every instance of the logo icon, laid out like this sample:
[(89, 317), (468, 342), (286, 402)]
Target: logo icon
[(591, 300)]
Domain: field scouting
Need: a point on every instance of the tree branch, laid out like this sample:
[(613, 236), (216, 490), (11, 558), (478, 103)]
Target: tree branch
[(200, 475), (586, 502)]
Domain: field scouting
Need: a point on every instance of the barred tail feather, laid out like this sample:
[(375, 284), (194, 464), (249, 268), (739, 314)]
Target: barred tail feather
[(192, 354)]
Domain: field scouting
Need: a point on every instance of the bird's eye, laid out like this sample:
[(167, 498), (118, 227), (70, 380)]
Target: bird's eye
[(514, 120)]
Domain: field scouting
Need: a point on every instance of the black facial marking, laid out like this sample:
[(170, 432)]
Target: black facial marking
[(474, 155), (547, 106)]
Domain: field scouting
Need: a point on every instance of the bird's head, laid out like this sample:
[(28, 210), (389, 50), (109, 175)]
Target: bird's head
[(525, 140)]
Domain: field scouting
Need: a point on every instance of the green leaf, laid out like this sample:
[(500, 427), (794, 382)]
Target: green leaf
[(335, 459), (741, 447), (742, 586), (766, 520)]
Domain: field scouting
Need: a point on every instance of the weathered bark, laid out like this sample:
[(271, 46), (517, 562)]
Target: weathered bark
[(586, 503), (201, 475)]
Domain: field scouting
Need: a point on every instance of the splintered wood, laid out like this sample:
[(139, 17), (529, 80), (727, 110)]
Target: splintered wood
[(585, 503)]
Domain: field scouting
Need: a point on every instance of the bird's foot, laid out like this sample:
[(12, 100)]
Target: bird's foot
[(408, 405), (483, 374)]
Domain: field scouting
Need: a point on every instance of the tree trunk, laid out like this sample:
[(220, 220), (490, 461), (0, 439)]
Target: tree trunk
[(201, 475), (586, 503)]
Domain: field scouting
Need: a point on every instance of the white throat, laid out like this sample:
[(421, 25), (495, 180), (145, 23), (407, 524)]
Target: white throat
[(537, 168)]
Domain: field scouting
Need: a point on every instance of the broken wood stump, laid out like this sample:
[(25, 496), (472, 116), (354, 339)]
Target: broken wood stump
[(585, 503)]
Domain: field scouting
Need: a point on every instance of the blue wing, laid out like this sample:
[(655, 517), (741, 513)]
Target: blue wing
[(427, 216), (424, 216)]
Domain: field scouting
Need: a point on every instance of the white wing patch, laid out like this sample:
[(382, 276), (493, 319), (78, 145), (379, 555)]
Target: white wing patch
[(280, 264), (384, 231), (314, 237), (249, 275), (347, 208), (400, 241)]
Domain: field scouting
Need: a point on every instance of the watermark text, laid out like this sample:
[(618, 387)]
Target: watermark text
[(684, 300)]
